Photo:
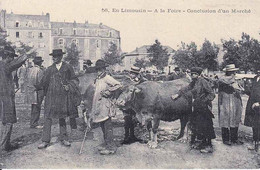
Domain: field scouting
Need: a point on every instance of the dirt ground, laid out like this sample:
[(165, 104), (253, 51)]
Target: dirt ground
[(169, 154)]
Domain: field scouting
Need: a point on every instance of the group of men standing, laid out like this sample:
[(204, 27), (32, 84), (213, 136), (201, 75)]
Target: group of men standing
[(60, 86)]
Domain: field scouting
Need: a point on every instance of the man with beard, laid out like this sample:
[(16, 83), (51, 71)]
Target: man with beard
[(62, 98)]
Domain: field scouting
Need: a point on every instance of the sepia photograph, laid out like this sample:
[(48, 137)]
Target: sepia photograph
[(137, 84)]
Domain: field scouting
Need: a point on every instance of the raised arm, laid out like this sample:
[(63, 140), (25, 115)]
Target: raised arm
[(16, 63)]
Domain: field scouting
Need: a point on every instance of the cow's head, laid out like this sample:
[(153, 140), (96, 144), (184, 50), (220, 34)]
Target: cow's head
[(127, 96), (144, 118)]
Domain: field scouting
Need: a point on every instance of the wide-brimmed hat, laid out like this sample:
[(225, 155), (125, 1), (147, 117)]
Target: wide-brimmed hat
[(230, 67), (88, 62), (8, 50), (197, 70), (177, 69), (37, 59), (56, 52), (101, 64), (135, 69)]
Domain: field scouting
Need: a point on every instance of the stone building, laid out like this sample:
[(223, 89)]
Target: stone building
[(38, 31), (33, 30), (93, 40), (141, 53)]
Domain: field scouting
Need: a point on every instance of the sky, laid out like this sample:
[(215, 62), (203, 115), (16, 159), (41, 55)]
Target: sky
[(142, 28)]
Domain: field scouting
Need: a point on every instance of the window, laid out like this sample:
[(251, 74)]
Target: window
[(86, 32), (17, 24), (40, 35), (61, 42), (74, 31), (75, 41), (17, 35), (30, 35), (29, 24), (60, 31), (110, 34), (98, 42), (41, 24)]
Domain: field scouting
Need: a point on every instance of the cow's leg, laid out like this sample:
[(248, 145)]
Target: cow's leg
[(155, 125), (184, 119)]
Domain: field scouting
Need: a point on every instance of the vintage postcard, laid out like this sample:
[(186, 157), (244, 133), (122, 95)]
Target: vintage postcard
[(129, 84)]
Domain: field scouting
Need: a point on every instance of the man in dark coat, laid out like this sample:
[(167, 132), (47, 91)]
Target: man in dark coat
[(252, 117), (7, 95), (177, 74), (62, 97), (201, 118), (129, 113)]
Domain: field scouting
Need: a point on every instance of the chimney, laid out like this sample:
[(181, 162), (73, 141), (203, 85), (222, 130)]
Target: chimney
[(74, 23), (86, 23), (100, 25)]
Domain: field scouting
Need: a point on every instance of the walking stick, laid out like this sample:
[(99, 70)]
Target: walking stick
[(85, 135)]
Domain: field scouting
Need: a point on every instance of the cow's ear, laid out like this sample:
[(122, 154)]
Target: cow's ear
[(137, 90)]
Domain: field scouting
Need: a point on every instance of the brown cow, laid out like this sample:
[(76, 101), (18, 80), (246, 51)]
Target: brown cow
[(152, 102)]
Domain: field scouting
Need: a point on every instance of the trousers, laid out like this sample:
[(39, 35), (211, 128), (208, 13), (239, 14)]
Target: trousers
[(5, 135), (107, 130), (36, 109), (229, 134), (46, 134)]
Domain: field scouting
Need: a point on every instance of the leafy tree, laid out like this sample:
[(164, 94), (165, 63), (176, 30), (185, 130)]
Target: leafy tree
[(208, 56), (158, 55), (3, 40), (141, 63), (112, 56), (188, 56), (23, 49), (185, 56), (73, 55), (244, 53)]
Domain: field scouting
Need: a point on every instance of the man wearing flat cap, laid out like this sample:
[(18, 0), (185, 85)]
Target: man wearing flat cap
[(201, 119), (177, 74), (62, 94), (34, 97), (230, 105), (252, 117), (7, 95)]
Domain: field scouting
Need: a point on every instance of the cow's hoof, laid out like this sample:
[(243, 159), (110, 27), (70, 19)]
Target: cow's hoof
[(183, 140), (152, 144)]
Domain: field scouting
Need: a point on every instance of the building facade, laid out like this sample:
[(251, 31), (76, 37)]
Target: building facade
[(93, 40), (33, 30), (37, 31), (141, 53)]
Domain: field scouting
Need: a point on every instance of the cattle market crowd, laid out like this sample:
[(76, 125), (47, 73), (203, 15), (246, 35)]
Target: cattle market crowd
[(186, 95)]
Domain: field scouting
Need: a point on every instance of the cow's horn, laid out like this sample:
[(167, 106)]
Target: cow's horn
[(137, 90)]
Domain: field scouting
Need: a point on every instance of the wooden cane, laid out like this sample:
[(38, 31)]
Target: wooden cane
[(82, 144)]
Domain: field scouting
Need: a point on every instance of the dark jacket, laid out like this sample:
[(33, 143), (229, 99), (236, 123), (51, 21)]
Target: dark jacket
[(251, 118), (60, 103), (7, 93), (201, 118)]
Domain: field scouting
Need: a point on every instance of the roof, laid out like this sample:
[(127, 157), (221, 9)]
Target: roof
[(143, 50), (78, 25), (13, 16)]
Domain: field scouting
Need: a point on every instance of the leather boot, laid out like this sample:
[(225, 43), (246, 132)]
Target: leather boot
[(225, 136), (234, 136)]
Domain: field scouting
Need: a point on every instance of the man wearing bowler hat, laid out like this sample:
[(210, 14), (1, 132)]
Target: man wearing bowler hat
[(60, 86), (35, 74), (7, 95)]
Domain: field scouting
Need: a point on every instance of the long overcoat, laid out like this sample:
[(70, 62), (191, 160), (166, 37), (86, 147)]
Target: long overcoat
[(229, 102), (201, 118), (60, 103), (251, 117), (35, 75), (7, 93)]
